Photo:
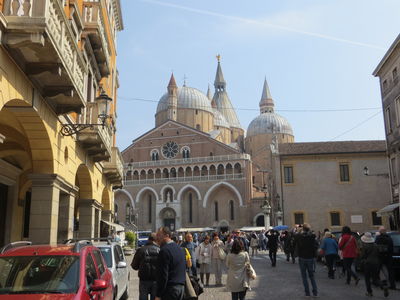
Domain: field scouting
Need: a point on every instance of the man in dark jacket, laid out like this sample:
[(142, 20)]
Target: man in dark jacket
[(385, 248), (307, 245), (171, 268), (272, 244), (145, 260)]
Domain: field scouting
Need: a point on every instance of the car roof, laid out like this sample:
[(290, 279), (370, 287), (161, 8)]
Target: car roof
[(41, 250), (105, 244)]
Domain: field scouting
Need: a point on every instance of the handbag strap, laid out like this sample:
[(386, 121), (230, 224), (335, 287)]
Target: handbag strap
[(348, 242)]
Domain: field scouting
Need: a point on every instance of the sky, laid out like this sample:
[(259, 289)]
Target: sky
[(318, 58)]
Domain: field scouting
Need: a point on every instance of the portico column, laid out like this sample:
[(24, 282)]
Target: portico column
[(66, 217), (43, 225), (87, 217), (267, 220)]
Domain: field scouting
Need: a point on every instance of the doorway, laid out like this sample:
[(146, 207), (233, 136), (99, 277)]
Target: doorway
[(260, 221), (168, 217), (3, 212)]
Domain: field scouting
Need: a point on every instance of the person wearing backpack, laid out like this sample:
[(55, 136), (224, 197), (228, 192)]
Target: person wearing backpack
[(348, 245), (385, 248), (371, 262), (145, 260)]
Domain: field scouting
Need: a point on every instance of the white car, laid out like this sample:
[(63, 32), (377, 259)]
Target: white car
[(116, 263)]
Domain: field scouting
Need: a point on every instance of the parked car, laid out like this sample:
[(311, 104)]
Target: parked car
[(143, 237), (395, 235), (116, 263), (71, 271)]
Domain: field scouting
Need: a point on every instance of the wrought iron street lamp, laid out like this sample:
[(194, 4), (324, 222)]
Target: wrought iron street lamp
[(102, 102)]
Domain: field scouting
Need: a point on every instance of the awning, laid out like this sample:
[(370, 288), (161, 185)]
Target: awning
[(198, 229), (252, 228), (387, 210), (114, 225)]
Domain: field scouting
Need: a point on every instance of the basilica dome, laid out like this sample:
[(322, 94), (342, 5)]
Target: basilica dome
[(219, 119), (188, 97), (269, 122)]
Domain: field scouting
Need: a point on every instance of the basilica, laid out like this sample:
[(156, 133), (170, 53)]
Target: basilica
[(198, 167)]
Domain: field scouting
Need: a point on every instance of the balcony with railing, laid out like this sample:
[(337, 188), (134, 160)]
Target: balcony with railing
[(205, 178), (187, 161), (39, 38), (114, 168), (94, 29), (96, 140)]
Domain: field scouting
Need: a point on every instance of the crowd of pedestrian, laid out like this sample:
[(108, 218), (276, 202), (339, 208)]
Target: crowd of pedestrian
[(167, 261)]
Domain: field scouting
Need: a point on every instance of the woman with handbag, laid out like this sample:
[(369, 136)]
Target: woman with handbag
[(348, 245), (217, 257), (329, 249), (238, 262), (204, 258)]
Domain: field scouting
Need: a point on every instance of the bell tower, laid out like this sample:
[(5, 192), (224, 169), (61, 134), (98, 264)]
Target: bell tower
[(172, 113)]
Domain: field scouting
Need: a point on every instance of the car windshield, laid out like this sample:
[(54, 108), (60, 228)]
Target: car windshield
[(106, 252), (396, 239), (144, 235), (39, 274)]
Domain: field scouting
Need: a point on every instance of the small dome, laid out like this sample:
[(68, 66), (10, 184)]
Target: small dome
[(269, 123), (187, 98), (219, 119)]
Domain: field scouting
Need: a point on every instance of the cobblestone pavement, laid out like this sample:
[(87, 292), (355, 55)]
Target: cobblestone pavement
[(283, 282)]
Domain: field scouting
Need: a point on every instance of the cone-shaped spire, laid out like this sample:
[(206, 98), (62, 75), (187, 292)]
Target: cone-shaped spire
[(219, 82), (172, 82), (209, 95), (266, 102)]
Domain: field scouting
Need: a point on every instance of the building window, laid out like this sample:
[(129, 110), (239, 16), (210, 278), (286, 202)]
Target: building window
[(254, 179), (335, 218), (344, 172), (388, 121), (190, 208), (128, 213), (198, 127), (150, 208), (393, 167), (384, 85), (154, 155), (397, 110), (27, 214), (185, 152), (376, 221), (197, 111), (394, 74), (232, 210), (288, 173), (216, 211), (298, 218)]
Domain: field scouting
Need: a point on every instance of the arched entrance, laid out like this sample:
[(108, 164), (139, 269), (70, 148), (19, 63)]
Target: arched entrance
[(168, 217), (260, 221), (223, 226)]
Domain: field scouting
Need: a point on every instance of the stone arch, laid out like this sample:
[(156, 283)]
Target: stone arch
[(196, 171), (228, 168), (83, 180), (181, 172), (163, 190), (165, 173), (105, 199), (158, 173), (126, 193), (204, 171), (188, 172), (212, 170), (150, 174), (143, 175), (220, 169), (237, 168), (228, 185), (146, 188), (188, 186), (256, 217), (32, 135), (173, 172)]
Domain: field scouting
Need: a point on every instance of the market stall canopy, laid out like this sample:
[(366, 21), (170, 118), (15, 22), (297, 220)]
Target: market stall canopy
[(117, 227), (198, 229), (387, 210), (252, 228)]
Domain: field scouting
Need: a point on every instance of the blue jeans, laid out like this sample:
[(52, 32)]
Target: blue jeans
[(147, 288), (307, 265)]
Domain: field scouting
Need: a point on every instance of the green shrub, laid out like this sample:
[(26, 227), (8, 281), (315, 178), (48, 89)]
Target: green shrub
[(131, 238)]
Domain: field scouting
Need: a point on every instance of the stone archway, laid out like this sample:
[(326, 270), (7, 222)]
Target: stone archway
[(168, 218), (145, 203)]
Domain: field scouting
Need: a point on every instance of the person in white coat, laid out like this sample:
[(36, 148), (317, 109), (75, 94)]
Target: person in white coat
[(237, 282), (204, 258)]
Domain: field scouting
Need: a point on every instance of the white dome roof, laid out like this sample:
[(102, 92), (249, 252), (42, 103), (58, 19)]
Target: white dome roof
[(219, 119), (269, 123), (188, 97)]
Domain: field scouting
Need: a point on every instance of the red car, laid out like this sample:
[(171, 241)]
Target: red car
[(63, 272)]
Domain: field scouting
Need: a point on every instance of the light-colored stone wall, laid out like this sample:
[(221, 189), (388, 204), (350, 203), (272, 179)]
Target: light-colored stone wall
[(317, 189)]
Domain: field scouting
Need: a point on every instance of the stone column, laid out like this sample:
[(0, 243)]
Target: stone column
[(267, 220), (43, 225), (66, 217), (97, 222), (87, 218)]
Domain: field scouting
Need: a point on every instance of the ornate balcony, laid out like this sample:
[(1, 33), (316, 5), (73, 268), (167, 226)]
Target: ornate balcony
[(227, 177), (39, 38), (97, 140), (94, 30), (114, 169)]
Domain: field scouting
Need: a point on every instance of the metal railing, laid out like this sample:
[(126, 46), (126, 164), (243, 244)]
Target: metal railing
[(185, 179)]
